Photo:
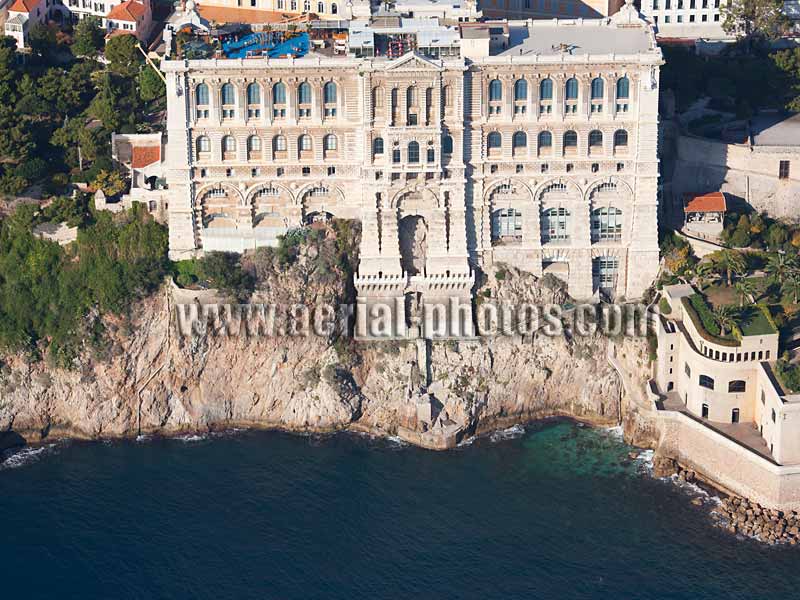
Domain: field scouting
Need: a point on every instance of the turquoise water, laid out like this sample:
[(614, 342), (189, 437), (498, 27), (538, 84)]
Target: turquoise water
[(560, 512)]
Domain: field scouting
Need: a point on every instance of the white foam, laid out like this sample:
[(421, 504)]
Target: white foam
[(25, 456), (192, 437), (510, 433), (615, 432)]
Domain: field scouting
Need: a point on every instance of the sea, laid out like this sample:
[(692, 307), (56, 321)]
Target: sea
[(552, 510)]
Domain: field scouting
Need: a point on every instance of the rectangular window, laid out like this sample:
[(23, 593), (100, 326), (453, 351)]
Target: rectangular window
[(773, 415), (783, 170), (687, 369)]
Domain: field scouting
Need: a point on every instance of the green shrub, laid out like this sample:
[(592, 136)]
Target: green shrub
[(788, 374), (664, 306), (703, 311)]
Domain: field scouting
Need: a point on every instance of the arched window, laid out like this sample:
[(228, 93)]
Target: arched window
[(329, 93), (253, 147), (623, 88), (494, 142), (495, 90), (396, 155), (228, 95), (253, 94), (320, 7), (520, 90), (228, 147), (431, 155), (597, 88), (304, 93), (330, 145), (519, 141), (620, 139), (571, 89), (305, 146), (201, 95), (279, 147), (279, 100), (595, 140), (546, 89), (555, 225), (377, 147), (306, 5), (736, 386), (570, 141), (606, 224), (448, 96), (447, 145), (413, 152), (334, 9), (203, 145), (706, 382), (507, 224), (545, 141)]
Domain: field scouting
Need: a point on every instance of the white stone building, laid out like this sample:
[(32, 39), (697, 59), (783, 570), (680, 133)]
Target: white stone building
[(689, 19), (528, 143)]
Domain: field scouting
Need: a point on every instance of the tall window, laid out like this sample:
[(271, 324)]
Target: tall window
[(253, 147), (783, 169), (595, 141), (706, 382), (431, 155), (623, 94), (495, 90), (506, 223), (545, 142), (201, 99), (395, 106), (279, 100), (570, 142), (447, 145), (546, 89), (377, 147), (253, 101), (519, 142), (620, 140), (494, 143), (571, 89), (228, 99), (604, 272), (412, 103), (597, 88), (520, 90), (448, 96), (228, 147), (413, 152), (606, 224), (555, 225), (329, 98), (334, 9), (330, 145), (304, 100)]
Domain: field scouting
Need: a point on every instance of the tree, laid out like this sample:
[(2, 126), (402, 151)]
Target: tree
[(122, 53), (104, 105), (151, 85), (703, 273), (776, 236), (42, 40), (779, 266), (754, 18), (791, 286), (111, 182), (788, 63), (728, 263), (746, 290), (725, 316), (8, 68), (88, 37)]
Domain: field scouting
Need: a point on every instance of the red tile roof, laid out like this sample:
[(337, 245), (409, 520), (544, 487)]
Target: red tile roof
[(131, 10), (24, 6), (145, 155), (713, 202)]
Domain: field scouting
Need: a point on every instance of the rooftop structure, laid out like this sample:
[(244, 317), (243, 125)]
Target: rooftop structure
[(775, 130)]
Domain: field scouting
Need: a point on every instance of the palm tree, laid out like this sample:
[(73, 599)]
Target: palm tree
[(725, 316), (791, 285), (779, 266), (746, 290), (728, 263), (702, 273)]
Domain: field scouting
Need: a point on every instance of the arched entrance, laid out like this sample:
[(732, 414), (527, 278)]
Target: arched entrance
[(413, 232)]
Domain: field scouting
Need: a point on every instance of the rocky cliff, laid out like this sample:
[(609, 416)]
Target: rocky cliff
[(153, 379)]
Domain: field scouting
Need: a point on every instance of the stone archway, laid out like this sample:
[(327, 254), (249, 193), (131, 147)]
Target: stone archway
[(413, 232)]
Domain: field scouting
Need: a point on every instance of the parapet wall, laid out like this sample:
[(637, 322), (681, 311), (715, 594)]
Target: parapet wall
[(726, 463), (749, 173)]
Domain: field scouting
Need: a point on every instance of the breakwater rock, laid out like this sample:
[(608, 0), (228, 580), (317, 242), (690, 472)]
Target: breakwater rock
[(741, 516)]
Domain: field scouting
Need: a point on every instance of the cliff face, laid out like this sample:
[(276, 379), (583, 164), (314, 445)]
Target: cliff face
[(154, 379)]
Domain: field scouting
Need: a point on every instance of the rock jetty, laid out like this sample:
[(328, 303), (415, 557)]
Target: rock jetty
[(740, 516)]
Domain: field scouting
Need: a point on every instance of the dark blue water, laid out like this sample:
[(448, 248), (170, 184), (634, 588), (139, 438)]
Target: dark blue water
[(558, 513)]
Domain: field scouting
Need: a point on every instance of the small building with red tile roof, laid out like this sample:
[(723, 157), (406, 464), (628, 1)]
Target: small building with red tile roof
[(704, 214), (713, 202), (132, 16), (21, 16)]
